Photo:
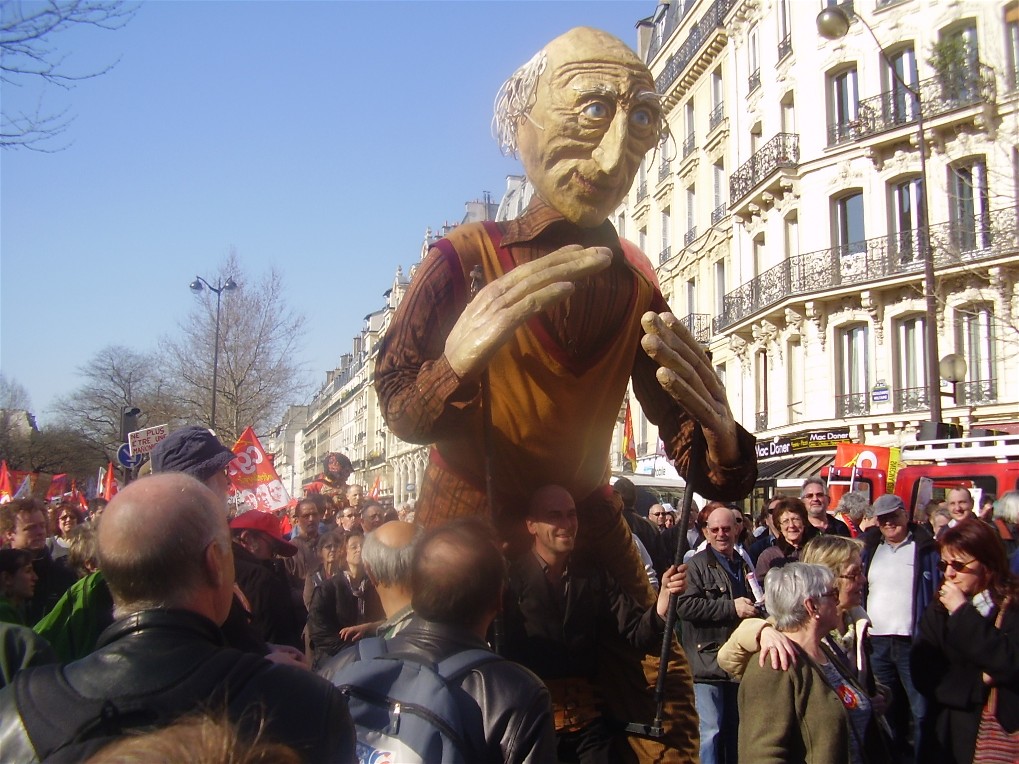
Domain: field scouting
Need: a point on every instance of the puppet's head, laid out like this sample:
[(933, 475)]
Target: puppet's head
[(582, 114), (338, 467)]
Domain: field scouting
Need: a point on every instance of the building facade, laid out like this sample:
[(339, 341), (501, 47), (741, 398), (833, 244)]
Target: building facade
[(784, 213)]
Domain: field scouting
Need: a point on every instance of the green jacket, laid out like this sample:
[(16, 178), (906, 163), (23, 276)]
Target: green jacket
[(794, 717), (74, 624)]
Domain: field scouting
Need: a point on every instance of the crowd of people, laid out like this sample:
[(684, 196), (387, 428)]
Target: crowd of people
[(879, 638)]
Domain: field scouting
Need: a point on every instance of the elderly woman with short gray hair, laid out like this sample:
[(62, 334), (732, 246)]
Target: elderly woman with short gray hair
[(816, 711)]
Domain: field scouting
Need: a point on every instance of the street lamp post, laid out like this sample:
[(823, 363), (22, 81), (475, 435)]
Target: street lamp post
[(221, 286), (833, 24)]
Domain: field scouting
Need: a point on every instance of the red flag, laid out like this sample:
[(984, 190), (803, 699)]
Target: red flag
[(629, 448), (253, 476), (6, 490), (376, 487), (58, 486), (110, 486)]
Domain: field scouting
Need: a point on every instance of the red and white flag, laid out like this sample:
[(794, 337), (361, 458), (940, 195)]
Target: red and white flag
[(253, 477), (629, 447)]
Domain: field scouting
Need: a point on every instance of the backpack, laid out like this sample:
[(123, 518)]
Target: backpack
[(408, 709)]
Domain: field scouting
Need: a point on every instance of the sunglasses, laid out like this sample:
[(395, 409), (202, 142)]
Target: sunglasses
[(656, 514), (956, 565), (832, 595)]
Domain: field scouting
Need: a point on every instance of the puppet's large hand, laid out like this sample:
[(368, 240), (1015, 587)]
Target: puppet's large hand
[(687, 376), (500, 307)]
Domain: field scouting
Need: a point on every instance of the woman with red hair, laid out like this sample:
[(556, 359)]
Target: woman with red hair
[(966, 657)]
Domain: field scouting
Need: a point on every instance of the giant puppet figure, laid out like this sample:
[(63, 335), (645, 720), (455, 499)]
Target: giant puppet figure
[(568, 314)]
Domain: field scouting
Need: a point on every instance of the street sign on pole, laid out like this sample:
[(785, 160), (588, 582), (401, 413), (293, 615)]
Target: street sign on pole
[(126, 460), (142, 441)]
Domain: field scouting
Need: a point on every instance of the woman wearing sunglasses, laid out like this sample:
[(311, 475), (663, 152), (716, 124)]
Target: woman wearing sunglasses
[(966, 657), (816, 711)]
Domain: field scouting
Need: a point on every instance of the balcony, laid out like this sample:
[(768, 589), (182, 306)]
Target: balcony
[(760, 421), (716, 116), (911, 399), (854, 404), (664, 170), (781, 152), (642, 191), (977, 392), (689, 145), (719, 213), (664, 255), (699, 325), (710, 28), (982, 237), (754, 81), (893, 108), (690, 236), (785, 47)]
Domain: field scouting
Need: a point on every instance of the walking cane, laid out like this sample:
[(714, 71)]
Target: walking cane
[(655, 729), (477, 281)]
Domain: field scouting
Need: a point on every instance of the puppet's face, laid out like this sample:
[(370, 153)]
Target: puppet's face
[(594, 117)]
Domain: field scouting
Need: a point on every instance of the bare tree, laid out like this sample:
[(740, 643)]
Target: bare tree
[(28, 54), (259, 373), (116, 377)]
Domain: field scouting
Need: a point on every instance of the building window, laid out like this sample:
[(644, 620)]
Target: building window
[(691, 215), (761, 390), (852, 371), (843, 105), (666, 252), (720, 373), (691, 296), (758, 253), (955, 59), (690, 141), (719, 287), (911, 364), (1012, 45), (905, 212), (754, 60), (848, 235), (969, 205), (901, 81), (621, 225), (795, 369), (974, 340), (717, 100), (785, 33), (642, 239), (791, 227), (788, 113), (718, 187)]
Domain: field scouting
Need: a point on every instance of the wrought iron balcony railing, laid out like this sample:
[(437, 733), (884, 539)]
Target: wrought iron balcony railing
[(642, 190), (664, 170), (754, 81), (699, 325), (911, 399), (712, 20), (716, 116), (718, 214), (854, 404), (971, 239), (690, 236), (936, 95), (785, 47), (689, 145), (781, 151), (761, 421), (977, 392), (664, 255)]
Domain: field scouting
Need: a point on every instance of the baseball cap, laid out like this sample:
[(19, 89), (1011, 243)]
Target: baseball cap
[(193, 450), (886, 504), (267, 523)]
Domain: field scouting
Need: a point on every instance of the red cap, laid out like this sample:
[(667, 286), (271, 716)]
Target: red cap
[(267, 523)]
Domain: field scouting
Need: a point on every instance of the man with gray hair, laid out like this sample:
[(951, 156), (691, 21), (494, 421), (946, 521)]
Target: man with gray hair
[(164, 547), (387, 554), (852, 509)]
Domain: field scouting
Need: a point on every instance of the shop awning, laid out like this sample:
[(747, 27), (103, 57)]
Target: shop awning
[(795, 467)]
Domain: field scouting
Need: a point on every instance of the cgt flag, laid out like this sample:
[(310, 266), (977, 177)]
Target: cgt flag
[(6, 490), (253, 477), (109, 483), (629, 448)]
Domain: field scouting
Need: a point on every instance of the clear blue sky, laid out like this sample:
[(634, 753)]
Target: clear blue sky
[(319, 137)]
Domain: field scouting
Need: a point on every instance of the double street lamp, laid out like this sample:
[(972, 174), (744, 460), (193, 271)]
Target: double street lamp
[(221, 286), (833, 24)]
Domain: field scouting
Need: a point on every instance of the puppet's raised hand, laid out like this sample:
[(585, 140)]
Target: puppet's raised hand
[(499, 308), (687, 376)]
